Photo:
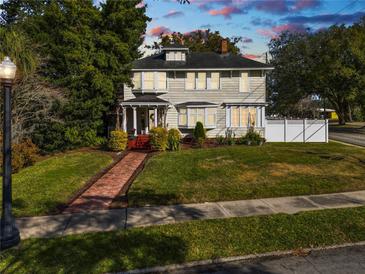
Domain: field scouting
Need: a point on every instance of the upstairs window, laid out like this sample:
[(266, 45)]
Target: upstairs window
[(148, 80), (201, 81), (190, 80), (214, 80), (162, 81), (137, 80)]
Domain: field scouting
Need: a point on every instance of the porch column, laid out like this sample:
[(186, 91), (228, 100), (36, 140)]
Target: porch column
[(164, 117), (135, 120), (146, 120), (124, 119), (155, 114)]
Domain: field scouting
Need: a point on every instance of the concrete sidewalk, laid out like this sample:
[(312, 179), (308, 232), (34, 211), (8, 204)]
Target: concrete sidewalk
[(107, 220)]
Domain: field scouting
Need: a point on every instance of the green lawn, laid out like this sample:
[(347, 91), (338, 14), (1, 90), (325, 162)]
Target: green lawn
[(39, 189), (243, 172), (196, 240)]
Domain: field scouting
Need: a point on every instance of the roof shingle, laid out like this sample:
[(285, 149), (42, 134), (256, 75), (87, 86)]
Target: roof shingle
[(199, 60)]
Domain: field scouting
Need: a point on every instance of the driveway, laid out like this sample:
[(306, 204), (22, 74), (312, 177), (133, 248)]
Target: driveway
[(331, 261), (354, 136)]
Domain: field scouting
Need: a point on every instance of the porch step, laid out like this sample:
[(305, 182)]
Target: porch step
[(140, 142)]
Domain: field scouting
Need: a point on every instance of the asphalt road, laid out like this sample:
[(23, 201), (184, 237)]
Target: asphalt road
[(332, 261), (348, 135)]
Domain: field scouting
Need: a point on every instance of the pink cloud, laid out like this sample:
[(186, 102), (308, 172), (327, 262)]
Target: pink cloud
[(141, 5), (305, 4), (251, 56), (173, 13), (226, 11), (276, 30), (156, 31)]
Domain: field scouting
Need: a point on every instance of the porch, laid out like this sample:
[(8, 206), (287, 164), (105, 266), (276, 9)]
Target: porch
[(141, 114)]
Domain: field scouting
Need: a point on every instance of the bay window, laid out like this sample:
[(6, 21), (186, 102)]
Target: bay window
[(243, 116), (183, 121), (188, 117)]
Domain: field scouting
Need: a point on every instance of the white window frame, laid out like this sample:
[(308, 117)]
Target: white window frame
[(259, 119), (186, 78), (209, 81), (205, 113)]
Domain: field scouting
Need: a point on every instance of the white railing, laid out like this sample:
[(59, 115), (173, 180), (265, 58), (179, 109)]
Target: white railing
[(290, 130)]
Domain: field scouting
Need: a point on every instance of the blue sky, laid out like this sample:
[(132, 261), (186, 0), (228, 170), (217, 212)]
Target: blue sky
[(256, 21)]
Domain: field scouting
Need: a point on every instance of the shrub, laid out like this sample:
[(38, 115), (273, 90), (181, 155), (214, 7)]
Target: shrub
[(230, 137), (252, 137), (118, 140), (173, 139), (199, 133), (73, 136), (23, 154), (220, 140), (89, 138), (158, 138)]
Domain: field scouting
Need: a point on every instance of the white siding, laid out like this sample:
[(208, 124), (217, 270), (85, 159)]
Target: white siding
[(229, 92)]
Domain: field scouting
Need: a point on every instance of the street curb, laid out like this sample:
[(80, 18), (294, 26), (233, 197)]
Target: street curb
[(158, 269), (346, 144)]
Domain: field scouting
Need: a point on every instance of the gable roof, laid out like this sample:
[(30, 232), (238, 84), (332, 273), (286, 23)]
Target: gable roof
[(199, 60)]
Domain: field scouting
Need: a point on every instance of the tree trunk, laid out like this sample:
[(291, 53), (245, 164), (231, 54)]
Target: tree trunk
[(349, 113)]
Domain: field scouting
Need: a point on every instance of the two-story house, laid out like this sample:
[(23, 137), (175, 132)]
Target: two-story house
[(176, 88)]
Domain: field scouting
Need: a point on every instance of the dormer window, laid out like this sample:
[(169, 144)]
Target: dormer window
[(175, 53)]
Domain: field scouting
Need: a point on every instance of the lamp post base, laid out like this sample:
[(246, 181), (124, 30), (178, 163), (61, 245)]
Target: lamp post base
[(9, 237)]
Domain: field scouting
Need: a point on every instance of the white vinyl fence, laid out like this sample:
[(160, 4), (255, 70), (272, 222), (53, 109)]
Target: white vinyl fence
[(289, 130)]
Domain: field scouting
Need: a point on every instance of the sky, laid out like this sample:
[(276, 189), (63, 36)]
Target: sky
[(256, 21)]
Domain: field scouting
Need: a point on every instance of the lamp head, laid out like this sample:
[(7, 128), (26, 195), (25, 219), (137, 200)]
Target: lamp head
[(7, 69)]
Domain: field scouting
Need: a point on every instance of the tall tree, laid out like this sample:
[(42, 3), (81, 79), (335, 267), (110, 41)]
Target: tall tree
[(328, 63), (198, 41), (85, 50)]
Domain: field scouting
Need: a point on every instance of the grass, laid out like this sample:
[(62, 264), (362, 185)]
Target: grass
[(178, 243), (243, 172), (39, 189)]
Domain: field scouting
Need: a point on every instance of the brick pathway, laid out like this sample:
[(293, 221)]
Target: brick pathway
[(101, 194)]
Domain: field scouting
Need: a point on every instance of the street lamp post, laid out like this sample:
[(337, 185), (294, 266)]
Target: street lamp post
[(9, 233)]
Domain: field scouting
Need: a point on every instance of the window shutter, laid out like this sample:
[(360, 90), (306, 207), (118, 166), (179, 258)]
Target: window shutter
[(214, 80), (202, 80), (190, 80), (244, 82)]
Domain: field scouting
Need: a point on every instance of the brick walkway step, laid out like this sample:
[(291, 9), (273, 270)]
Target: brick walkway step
[(101, 194)]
